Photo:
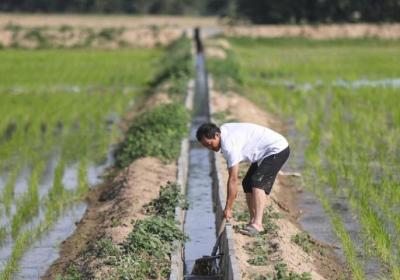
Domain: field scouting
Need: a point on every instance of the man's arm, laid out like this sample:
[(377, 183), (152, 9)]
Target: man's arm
[(231, 190)]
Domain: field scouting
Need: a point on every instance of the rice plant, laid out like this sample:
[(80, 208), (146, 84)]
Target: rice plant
[(341, 98)]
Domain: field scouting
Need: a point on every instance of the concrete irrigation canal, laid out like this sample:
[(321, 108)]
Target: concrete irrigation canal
[(203, 186)]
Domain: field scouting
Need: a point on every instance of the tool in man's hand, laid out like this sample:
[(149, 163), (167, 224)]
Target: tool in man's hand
[(207, 265)]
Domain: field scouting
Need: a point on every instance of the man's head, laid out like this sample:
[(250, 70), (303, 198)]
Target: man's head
[(209, 135)]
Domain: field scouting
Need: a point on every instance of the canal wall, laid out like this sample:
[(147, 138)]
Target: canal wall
[(228, 263)]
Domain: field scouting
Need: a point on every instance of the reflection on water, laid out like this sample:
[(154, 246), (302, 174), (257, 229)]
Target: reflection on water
[(44, 251), (38, 258), (317, 223), (200, 218), (340, 83)]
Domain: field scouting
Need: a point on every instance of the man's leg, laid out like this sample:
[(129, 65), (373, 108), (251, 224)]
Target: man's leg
[(249, 200), (265, 177), (247, 188), (258, 203)]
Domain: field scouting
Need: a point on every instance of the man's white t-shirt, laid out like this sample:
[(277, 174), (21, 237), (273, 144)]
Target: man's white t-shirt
[(249, 142)]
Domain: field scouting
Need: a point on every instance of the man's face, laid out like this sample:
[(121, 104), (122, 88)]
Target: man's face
[(213, 143)]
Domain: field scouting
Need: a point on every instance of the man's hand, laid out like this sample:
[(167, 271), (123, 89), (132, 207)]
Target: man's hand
[(227, 213), (231, 190)]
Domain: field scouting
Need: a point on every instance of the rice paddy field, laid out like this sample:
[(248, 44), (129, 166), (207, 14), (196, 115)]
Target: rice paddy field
[(59, 119), (340, 102)]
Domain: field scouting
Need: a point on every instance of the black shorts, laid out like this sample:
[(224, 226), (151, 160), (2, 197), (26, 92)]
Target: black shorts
[(263, 176)]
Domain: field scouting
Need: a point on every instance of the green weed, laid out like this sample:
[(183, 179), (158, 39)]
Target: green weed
[(258, 260), (164, 206), (303, 240), (155, 133), (145, 253), (281, 273), (72, 273)]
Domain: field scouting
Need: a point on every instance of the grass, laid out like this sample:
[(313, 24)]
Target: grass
[(345, 130)]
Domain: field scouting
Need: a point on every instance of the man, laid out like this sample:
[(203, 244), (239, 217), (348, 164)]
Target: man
[(267, 151)]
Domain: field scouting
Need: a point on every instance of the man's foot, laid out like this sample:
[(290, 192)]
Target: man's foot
[(251, 230), (250, 223)]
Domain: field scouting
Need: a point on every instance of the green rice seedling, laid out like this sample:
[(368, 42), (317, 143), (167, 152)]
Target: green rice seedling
[(20, 245), (83, 185), (60, 106), (334, 93), (57, 190), (3, 234), (8, 191), (28, 204)]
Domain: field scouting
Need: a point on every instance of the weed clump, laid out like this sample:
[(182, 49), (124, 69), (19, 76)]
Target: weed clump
[(145, 253), (281, 273), (164, 205), (155, 133), (303, 240)]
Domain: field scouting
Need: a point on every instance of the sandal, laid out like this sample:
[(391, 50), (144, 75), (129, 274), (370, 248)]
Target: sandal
[(250, 231)]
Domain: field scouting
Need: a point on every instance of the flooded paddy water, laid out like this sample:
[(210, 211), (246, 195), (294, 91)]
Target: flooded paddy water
[(57, 129), (317, 222), (45, 250), (339, 98)]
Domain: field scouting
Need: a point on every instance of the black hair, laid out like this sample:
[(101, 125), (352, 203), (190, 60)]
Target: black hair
[(207, 130)]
